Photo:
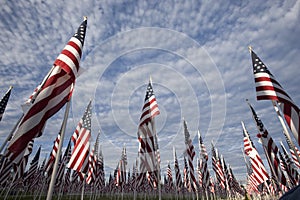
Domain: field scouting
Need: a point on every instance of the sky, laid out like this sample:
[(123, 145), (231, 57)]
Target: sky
[(196, 53)]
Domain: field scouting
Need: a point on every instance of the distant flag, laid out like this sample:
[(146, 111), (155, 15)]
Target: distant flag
[(52, 95), (147, 135), (217, 167), (271, 150), (3, 102), (170, 178), (190, 151), (293, 152), (62, 166), (177, 173), (204, 165), (91, 177), (290, 165), (267, 88), (80, 153), (19, 168), (32, 171), (260, 173), (51, 160)]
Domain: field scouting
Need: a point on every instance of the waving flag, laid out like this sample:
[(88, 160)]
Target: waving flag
[(177, 173), (190, 151), (147, 136), (259, 171), (271, 150), (80, 153), (204, 165), (3, 102), (52, 94), (267, 88)]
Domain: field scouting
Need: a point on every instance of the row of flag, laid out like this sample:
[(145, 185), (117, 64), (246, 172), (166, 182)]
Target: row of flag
[(82, 164)]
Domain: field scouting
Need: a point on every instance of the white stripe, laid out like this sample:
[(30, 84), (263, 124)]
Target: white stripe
[(69, 62)]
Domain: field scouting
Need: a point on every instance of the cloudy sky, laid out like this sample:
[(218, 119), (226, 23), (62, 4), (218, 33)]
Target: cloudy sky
[(196, 53)]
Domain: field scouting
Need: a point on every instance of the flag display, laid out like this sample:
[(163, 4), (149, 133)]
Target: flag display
[(147, 137), (268, 88), (80, 153)]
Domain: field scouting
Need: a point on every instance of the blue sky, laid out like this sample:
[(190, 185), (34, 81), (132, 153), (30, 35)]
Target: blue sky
[(195, 51)]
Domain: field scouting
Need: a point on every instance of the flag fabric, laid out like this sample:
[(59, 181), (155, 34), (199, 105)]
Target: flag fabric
[(147, 136), (271, 150), (91, 177), (190, 151), (62, 165), (260, 173), (52, 95), (3, 102), (291, 168), (178, 179), (186, 180), (19, 168), (170, 178), (52, 157), (267, 88), (31, 173), (204, 165), (80, 153), (217, 167)]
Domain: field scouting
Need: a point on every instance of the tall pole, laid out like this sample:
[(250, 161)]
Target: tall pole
[(55, 167), (157, 159), (285, 130)]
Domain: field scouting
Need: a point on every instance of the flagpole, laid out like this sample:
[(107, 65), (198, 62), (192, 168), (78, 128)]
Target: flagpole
[(55, 167), (285, 130), (158, 163)]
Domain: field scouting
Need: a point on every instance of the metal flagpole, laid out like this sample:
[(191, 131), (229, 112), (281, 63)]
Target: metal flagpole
[(158, 163), (55, 167), (285, 130)]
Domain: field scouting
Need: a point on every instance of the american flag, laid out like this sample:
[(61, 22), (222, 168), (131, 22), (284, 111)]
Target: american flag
[(217, 167), (260, 173), (3, 102), (62, 166), (271, 149), (91, 177), (80, 153), (170, 178), (267, 88), (177, 173), (190, 151), (291, 167), (32, 171), (52, 95), (204, 158), (19, 168), (147, 135), (51, 160)]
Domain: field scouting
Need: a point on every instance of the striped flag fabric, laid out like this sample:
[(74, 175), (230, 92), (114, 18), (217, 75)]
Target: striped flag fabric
[(268, 88), (19, 168), (80, 153), (147, 135), (271, 150), (62, 165), (170, 178), (204, 165), (190, 151), (92, 171), (186, 180), (52, 95), (178, 179), (290, 165), (4, 101), (30, 174), (260, 173), (51, 160), (217, 167)]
